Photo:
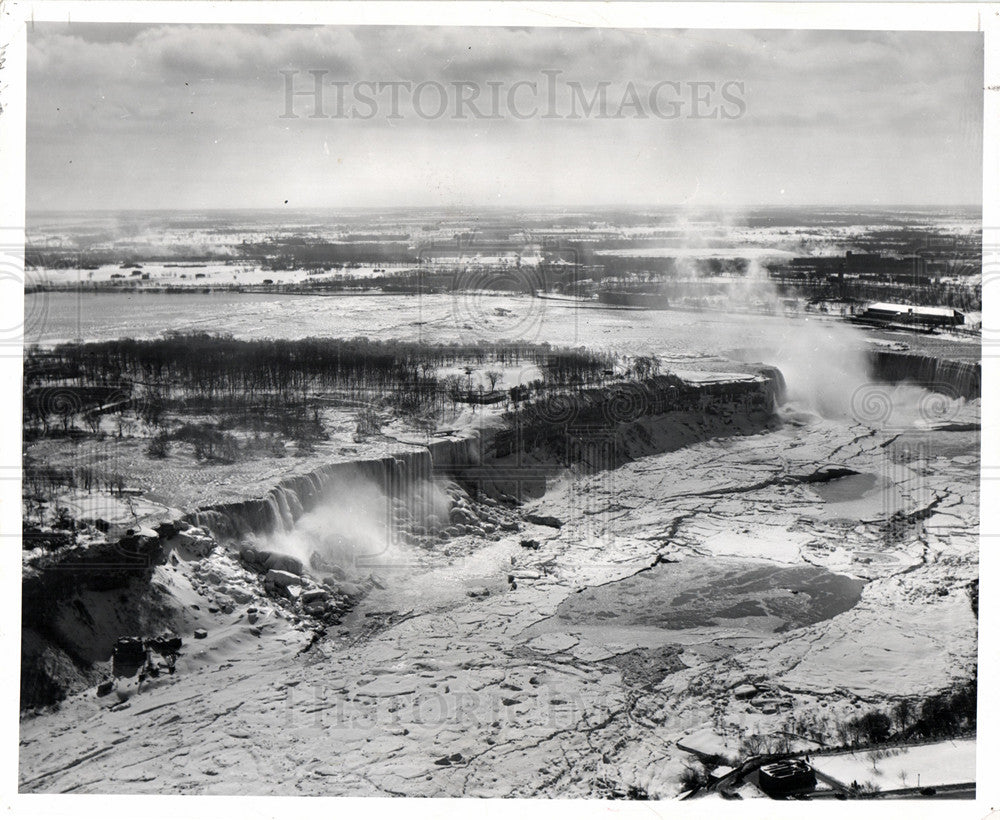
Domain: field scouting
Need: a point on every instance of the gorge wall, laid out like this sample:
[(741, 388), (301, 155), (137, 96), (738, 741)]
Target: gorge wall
[(554, 432), (953, 378)]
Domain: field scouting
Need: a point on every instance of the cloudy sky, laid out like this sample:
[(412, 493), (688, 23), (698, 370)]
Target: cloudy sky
[(124, 117)]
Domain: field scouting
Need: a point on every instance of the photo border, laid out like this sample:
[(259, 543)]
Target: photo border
[(17, 16)]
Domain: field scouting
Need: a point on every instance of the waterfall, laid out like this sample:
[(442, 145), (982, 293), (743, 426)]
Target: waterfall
[(403, 478), (285, 507), (952, 378)]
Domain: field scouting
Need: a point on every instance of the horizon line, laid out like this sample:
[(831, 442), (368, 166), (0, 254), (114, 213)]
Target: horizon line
[(497, 207)]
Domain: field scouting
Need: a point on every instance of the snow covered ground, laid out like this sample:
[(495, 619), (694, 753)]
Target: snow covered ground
[(745, 252), (460, 695), (191, 275), (494, 694), (932, 764)]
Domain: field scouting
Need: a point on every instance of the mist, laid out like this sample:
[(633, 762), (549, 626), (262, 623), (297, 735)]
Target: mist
[(824, 360), (358, 527)]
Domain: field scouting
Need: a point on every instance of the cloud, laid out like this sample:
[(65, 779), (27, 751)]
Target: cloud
[(200, 106)]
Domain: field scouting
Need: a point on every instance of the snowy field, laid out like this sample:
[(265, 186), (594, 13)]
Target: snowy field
[(191, 275), (703, 253), (932, 764)]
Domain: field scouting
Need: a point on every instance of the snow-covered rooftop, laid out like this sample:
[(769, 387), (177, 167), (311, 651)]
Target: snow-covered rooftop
[(917, 309)]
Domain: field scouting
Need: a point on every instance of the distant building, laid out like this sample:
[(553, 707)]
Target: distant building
[(913, 315)]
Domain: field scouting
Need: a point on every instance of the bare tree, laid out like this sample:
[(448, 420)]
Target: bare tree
[(902, 712), (874, 755), (495, 377)]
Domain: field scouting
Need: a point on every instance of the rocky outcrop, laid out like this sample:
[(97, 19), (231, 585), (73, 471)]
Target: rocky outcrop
[(58, 592), (602, 428)]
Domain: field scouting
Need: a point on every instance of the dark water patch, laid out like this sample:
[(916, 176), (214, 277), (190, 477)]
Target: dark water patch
[(824, 474), (743, 609), (848, 488), (958, 427), (705, 593)]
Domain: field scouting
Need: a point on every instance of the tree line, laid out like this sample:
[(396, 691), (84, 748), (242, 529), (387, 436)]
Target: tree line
[(250, 380)]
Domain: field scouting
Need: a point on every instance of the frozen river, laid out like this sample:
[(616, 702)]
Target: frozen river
[(465, 317)]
